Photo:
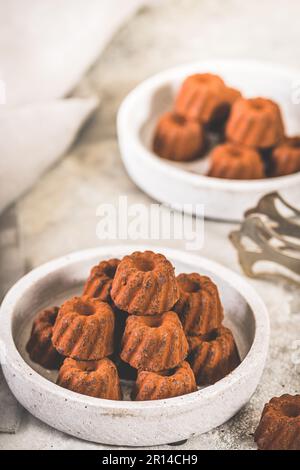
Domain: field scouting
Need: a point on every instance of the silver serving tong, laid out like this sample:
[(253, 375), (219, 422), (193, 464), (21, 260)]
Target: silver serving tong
[(268, 241)]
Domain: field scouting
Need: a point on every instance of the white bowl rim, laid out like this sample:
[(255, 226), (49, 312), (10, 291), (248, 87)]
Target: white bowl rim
[(195, 179), (13, 357)]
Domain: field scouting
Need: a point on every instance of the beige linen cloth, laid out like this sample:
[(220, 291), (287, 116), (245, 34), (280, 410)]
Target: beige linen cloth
[(45, 48)]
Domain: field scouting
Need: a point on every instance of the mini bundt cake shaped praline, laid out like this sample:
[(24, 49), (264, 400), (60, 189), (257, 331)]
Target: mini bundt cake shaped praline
[(39, 346), (100, 280), (154, 343), (199, 306), (144, 284), (177, 138), (286, 157), (234, 161), (93, 378), (213, 356), (84, 329), (279, 427), (168, 384), (205, 98), (255, 122)]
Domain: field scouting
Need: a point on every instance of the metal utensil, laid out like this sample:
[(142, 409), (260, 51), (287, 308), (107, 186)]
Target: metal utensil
[(268, 241)]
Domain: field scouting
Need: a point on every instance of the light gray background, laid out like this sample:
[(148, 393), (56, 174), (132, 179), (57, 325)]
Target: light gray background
[(59, 214)]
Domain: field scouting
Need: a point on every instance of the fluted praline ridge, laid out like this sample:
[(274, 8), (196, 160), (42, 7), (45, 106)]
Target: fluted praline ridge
[(234, 161), (177, 138), (255, 122), (213, 356), (286, 157), (199, 306), (144, 284), (168, 384), (39, 346), (84, 329), (94, 378), (154, 343), (100, 280)]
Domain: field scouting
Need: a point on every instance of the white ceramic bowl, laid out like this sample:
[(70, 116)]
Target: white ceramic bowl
[(177, 184), (126, 422)]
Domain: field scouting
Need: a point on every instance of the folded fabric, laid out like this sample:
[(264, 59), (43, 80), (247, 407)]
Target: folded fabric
[(33, 137), (45, 48)]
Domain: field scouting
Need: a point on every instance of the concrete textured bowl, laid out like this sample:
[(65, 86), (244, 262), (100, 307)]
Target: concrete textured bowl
[(125, 422), (179, 184)]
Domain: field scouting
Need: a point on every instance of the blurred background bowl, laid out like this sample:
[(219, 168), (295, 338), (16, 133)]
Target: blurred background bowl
[(177, 184)]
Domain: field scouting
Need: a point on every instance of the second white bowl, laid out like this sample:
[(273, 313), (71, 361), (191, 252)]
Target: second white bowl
[(186, 184)]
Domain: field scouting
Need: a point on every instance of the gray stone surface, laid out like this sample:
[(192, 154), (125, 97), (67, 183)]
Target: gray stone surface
[(12, 268), (59, 214), (10, 410)]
